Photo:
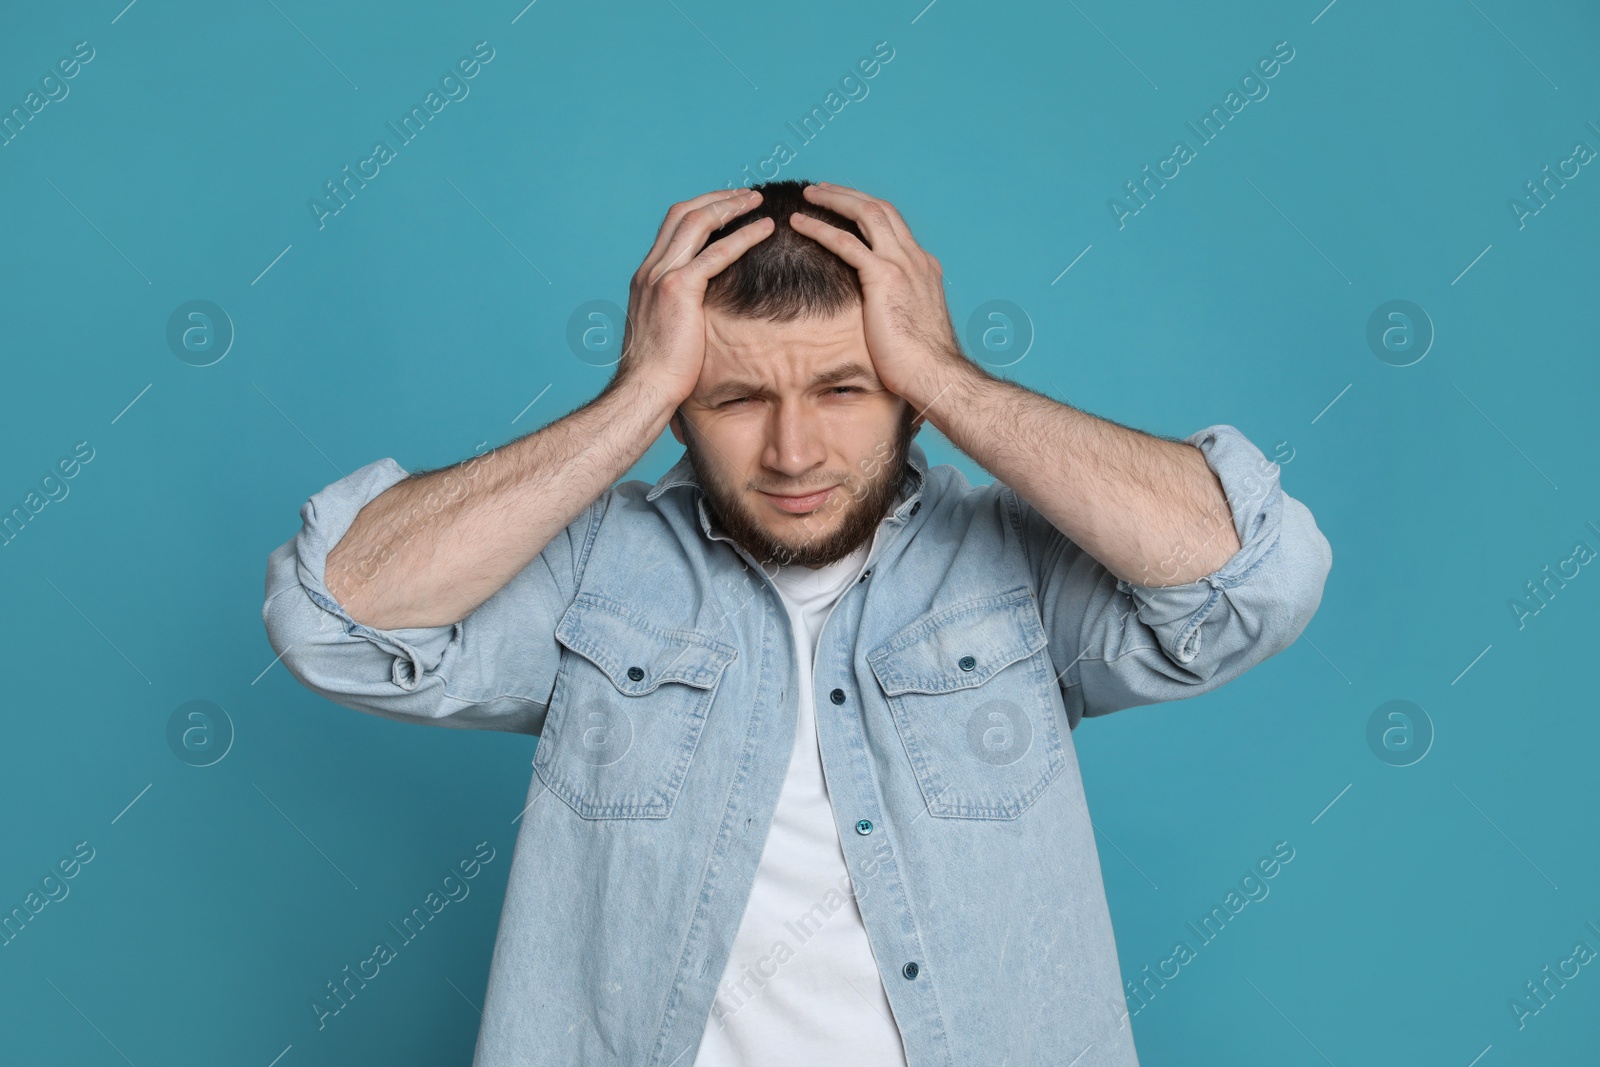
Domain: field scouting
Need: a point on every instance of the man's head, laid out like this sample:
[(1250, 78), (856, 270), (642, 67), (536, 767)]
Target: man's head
[(788, 402)]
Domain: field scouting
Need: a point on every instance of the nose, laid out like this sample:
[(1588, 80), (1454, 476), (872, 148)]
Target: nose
[(795, 444)]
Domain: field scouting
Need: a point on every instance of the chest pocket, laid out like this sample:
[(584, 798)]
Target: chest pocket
[(970, 693), (626, 712)]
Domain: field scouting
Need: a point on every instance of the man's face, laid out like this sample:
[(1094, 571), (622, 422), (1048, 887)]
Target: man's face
[(784, 411)]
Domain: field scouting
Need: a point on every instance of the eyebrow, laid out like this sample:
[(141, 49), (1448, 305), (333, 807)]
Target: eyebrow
[(728, 390)]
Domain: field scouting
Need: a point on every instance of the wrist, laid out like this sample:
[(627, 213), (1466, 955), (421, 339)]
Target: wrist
[(944, 382), (655, 397)]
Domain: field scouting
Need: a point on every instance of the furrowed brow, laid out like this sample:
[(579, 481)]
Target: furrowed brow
[(728, 390), (844, 372)]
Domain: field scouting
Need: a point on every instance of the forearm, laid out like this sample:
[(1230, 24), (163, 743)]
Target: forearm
[(433, 547), (1148, 509)]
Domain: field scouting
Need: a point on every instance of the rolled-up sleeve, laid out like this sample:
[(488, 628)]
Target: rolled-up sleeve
[(1118, 644), (493, 670)]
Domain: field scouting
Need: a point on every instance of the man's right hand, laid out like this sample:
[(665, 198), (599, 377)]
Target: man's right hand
[(664, 342), (433, 547)]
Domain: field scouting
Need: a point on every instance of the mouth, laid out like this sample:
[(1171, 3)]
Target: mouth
[(800, 505)]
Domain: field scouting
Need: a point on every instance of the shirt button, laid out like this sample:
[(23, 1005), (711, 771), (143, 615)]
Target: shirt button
[(911, 970), (864, 827), (966, 663), (914, 508), (837, 696), (635, 673), (866, 574)]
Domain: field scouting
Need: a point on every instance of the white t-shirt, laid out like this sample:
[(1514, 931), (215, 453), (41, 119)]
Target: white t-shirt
[(802, 985)]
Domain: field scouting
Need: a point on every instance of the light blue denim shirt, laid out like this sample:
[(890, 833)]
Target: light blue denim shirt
[(653, 658)]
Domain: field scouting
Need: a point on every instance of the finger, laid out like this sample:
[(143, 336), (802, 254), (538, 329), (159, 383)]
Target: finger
[(865, 211), (901, 230), (846, 246), (720, 253), (695, 226), (676, 214)]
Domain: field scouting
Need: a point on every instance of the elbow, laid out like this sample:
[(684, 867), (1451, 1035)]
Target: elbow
[(1320, 555), (1309, 560), (291, 622), (282, 577), (1269, 612), (291, 619), (1324, 567)]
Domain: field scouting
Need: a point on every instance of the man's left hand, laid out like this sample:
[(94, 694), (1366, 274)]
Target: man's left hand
[(907, 324)]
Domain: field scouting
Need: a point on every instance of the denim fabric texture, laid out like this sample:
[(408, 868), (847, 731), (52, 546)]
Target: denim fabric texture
[(653, 659)]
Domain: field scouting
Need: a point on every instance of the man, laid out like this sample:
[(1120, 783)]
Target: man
[(750, 838)]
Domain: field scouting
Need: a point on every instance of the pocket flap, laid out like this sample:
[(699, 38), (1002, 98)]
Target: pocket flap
[(623, 643), (988, 634)]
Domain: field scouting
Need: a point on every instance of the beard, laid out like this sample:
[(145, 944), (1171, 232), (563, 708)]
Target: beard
[(863, 499)]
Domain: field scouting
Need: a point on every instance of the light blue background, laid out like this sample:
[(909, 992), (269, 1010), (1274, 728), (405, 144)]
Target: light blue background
[(432, 310)]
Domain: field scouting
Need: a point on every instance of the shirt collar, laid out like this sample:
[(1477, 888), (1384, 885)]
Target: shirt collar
[(681, 474)]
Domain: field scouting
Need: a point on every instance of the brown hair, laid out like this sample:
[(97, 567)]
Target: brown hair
[(786, 275)]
